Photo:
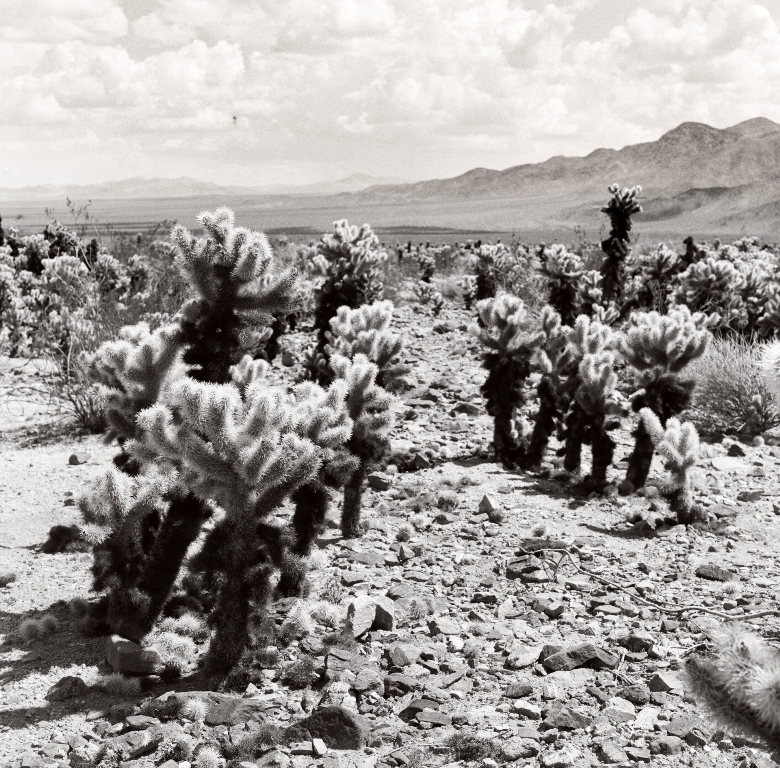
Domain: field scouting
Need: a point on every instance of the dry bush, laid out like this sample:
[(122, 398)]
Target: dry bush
[(731, 391), (7, 578)]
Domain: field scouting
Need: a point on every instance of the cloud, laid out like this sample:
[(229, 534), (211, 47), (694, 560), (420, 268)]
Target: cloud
[(236, 90)]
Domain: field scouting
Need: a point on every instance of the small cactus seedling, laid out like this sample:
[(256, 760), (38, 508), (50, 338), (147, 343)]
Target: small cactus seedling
[(678, 445), (510, 339), (659, 347)]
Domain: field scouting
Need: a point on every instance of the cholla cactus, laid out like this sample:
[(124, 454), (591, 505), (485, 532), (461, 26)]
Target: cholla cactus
[(591, 340), (468, 285), (620, 209), (659, 347), (715, 286), (423, 291), (366, 331), (426, 261), (349, 261), (437, 303), (368, 405), (592, 415), (547, 359), (246, 453), (234, 299), (510, 340), (589, 293), (678, 445), (656, 277), (563, 271), (739, 684)]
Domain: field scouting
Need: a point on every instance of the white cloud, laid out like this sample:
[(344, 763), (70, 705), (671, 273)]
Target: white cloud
[(328, 87)]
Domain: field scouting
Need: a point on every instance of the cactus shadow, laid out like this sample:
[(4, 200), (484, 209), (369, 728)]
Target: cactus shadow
[(63, 649)]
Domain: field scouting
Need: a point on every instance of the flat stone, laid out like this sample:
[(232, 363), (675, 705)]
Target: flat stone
[(444, 626), (663, 682), (527, 709), (337, 727), (433, 717), (665, 745), (67, 688), (130, 658), (565, 718), (611, 752), (379, 481), (518, 690), (713, 572), (360, 615), (518, 748), (728, 464), (581, 655), (640, 754), (224, 709), (135, 744)]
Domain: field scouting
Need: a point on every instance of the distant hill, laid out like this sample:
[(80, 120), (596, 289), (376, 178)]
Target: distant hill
[(182, 187), (696, 179)]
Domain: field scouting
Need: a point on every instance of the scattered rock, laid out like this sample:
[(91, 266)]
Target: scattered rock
[(713, 572), (130, 658), (337, 727), (67, 688)]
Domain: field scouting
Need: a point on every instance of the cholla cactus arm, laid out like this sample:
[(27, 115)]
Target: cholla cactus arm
[(739, 684), (366, 331), (510, 340), (229, 272), (621, 207), (131, 373)]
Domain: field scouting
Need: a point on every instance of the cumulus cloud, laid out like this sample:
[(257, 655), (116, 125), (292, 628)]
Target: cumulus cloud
[(243, 92)]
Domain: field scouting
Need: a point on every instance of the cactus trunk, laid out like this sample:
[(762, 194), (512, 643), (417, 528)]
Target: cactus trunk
[(575, 437), (641, 457), (353, 495), (544, 424), (311, 505), (603, 449)]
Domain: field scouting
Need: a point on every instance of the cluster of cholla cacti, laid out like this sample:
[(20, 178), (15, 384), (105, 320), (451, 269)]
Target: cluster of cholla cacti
[(578, 399), (210, 449)]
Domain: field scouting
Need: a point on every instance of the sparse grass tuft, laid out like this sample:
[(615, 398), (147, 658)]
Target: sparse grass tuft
[(119, 685), (326, 614), (731, 390), (299, 673), (469, 747), (333, 589), (404, 533), (539, 531), (208, 757)]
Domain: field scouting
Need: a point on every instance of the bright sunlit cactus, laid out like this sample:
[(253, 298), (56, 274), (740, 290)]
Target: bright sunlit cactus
[(678, 445), (563, 271), (659, 347)]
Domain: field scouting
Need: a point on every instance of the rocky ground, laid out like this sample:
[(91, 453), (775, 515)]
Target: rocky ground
[(461, 631)]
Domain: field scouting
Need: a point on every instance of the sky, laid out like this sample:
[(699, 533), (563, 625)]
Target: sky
[(262, 92)]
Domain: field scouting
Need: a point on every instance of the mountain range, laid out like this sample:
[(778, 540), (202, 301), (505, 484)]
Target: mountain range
[(695, 179)]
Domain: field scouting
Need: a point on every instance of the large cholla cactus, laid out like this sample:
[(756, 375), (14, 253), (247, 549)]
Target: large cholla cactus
[(620, 209), (738, 684), (247, 452), (563, 271), (659, 347), (368, 405), (510, 338), (234, 299), (547, 359), (349, 261), (678, 445), (228, 271), (653, 284)]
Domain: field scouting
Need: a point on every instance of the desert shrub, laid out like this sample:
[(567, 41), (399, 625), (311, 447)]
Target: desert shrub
[(116, 684), (6, 578), (470, 747), (299, 673), (732, 393)]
